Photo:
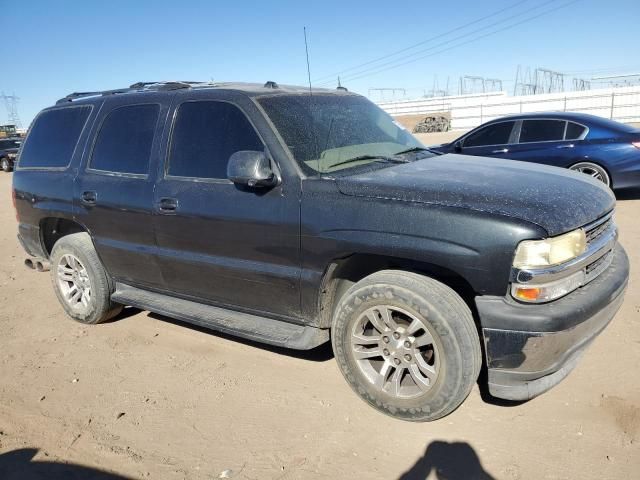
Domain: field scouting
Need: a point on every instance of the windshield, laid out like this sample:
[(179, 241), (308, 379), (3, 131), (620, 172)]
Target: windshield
[(329, 133)]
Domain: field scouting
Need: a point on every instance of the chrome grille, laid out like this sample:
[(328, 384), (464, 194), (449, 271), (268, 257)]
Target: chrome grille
[(596, 231)]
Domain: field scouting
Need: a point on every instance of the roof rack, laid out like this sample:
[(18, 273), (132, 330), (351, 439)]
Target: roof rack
[(136, 87)]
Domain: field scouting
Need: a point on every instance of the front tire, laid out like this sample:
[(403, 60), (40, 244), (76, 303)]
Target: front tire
[(5, 164), (407, 345), (81, 283)]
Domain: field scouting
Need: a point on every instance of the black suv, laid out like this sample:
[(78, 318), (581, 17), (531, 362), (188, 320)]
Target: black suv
[(297, 217), (8, 151)]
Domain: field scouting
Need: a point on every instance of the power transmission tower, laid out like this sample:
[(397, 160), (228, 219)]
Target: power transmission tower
[(11, 104)]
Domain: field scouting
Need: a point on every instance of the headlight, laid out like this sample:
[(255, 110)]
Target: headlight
[(551, 251), (11, 156)]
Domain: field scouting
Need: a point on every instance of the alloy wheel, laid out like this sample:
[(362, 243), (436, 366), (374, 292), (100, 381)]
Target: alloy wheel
[(396, 351)]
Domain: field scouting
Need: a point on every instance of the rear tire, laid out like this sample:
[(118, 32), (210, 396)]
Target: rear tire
[(81, 283), (593, 170), (407, 345)]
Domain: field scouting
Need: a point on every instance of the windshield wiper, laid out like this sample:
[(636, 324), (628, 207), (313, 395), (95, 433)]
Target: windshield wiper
[(379, 158), (415, 149)]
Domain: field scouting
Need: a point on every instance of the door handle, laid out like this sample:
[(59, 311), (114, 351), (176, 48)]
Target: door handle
[(167, 205), (501, 150), (89, 197), (571, 145)]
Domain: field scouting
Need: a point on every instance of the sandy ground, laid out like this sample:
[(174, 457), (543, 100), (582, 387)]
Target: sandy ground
[(146, 397)]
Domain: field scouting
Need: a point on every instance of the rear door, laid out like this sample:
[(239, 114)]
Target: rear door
[(543, 141), (493, 140), (113, 194), (220, 243)]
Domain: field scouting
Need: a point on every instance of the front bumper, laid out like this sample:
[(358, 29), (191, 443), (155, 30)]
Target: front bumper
[(530, 348)]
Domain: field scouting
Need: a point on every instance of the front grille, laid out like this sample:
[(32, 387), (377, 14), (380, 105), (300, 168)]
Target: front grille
[(597, 267), (594, 232)]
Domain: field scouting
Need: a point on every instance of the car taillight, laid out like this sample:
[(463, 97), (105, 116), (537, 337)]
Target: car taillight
[(636, 144)]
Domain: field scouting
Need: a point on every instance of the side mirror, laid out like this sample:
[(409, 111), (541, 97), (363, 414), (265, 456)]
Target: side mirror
[(457, 147), (252, 169)]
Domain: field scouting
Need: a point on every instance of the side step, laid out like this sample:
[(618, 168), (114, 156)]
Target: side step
[(253, 327)]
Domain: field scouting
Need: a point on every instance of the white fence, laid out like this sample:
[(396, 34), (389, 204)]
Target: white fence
[(468, 111)]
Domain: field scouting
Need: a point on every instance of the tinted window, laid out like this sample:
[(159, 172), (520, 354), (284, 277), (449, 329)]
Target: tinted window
[(205, 135), (9, 144), (53, 137), (574, 131), (124, 141), (497, 134), (541, 130)]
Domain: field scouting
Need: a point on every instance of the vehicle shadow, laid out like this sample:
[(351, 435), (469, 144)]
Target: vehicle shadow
[(19, 465), (448, 461), (322, 353), (631, 194)]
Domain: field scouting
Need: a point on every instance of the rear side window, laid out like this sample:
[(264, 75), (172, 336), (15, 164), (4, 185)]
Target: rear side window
[(542, 131), (205, 135), (574, 131), (496, 134), (124, 142), (53, 138)]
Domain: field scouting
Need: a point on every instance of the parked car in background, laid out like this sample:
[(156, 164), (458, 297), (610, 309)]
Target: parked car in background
[(606, 150), (8, 152)]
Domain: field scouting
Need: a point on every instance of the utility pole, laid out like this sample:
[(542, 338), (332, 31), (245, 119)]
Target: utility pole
[(11, 104)]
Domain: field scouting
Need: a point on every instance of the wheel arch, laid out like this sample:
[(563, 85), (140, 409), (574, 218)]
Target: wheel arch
[(53, 229), (343, 272)]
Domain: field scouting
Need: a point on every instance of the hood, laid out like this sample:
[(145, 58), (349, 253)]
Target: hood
[(558, 200)]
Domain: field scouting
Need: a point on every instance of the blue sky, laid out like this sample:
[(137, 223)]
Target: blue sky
[(65, 46)]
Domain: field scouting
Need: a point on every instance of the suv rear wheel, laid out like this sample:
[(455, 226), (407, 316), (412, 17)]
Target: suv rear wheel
[(407, 345), (81, 283)]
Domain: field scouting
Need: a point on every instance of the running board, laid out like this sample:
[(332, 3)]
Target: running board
[(253, 327)]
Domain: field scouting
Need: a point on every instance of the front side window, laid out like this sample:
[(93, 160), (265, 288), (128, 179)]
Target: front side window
[(53, 137), (124, 142), (205, 135), (328, 132), (496, 134), (542, 131)]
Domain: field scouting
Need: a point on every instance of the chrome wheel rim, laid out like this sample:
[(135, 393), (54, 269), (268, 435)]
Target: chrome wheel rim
[(593, 171), (395, 351), (74, 282)]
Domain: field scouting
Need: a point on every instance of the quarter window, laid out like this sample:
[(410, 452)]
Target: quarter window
[(574, 131), (542, 131), (205, 135), (496, 134), (53, 138), (124, 141)]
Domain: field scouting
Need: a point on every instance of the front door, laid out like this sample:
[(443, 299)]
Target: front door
[(217, 242)]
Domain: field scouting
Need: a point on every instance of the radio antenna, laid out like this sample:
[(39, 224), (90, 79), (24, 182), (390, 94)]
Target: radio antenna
[(315, 133), (306, 47)]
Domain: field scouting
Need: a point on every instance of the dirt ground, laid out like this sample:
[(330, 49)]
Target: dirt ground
[(147, 397)]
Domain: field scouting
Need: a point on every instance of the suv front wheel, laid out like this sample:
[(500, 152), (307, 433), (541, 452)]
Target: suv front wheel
[(81, 283), (5, 164), (407, 345)]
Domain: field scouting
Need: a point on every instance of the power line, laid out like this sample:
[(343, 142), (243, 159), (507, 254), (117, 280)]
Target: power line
[(333, 75), (528, 19), (446, 42)]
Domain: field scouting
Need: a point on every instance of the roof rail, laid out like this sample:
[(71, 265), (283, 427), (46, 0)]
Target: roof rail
[(139, 86)]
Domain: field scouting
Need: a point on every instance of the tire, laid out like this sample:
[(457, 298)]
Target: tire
[(76, 269), (593, 170), (430, 359), (5, 164)]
